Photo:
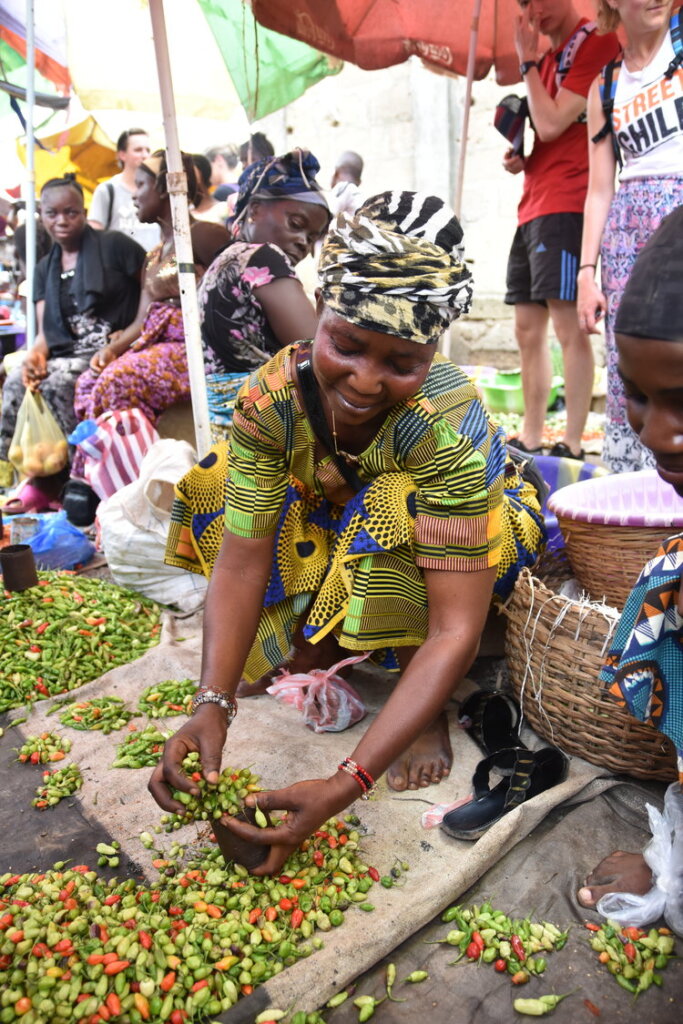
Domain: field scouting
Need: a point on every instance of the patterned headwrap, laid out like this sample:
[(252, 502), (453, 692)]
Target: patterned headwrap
[(397, 266), (652, 304), (291, 176)]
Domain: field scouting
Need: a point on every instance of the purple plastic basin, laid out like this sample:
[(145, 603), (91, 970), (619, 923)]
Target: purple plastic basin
[(624, 499)]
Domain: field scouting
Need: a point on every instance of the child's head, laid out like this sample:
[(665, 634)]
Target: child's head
[(649, 335)]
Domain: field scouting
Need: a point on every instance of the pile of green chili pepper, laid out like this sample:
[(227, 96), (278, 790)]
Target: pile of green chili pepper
[(67, 631), (141, 749), (49, 746), (631, 955), (164, 700), (103, 714), (215, 799), (489, 936), (72, 943), (57, 784)]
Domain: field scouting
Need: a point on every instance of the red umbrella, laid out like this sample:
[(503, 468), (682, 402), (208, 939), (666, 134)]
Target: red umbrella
[(378, 33), (462, 38)]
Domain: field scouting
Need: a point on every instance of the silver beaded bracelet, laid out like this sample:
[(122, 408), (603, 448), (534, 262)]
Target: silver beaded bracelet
[(224, 700)]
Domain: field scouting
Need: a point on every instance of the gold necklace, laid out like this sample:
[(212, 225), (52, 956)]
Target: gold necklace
[(346, 456)]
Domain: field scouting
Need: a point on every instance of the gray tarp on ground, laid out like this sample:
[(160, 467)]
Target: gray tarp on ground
[(270, 737)]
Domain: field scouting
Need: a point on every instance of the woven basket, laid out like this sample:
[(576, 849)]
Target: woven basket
[(555, 648), (607, 560)]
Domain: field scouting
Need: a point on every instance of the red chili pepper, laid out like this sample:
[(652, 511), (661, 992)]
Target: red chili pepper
[(110, 900), (271, 913), (500, 965), (285, 903), (321, 834), (591, 1007), (167, 982), (318, 858), (40, 949), (174, 911), (473, 951), (62, 945), (374, 874), (518, 948), (42, 627), (284, 880), (145, 940), (95, 958), (592, 927), (299, 883), (478, 940), (332, 843), (116, 967), (297, 917), (254, 915), (630, 952), (199, 984), (113, 1004)]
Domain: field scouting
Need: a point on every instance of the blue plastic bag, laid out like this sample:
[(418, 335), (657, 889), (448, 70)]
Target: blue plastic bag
[(59, 544)]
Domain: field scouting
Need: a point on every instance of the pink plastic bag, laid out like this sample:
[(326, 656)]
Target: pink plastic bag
[(114, 453), (327, 702)]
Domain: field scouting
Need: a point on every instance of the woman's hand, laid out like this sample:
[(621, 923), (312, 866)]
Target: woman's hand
[(205, 733), (591, 304), (103, 356), (34, 369), (308, 805)]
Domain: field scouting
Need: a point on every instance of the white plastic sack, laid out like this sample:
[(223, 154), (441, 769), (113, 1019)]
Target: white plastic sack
[(664, 855), (134, 524)]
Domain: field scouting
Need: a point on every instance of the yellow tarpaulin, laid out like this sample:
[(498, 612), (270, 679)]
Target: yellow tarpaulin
[(83, 149)]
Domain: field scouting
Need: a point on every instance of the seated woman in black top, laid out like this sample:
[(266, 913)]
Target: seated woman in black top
[(86, 287)]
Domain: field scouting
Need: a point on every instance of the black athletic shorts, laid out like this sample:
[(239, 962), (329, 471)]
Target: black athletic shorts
[(544, 259)]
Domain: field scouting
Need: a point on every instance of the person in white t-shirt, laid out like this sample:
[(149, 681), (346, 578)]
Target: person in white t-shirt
[(112, 206), (646, 128), (345, 195)]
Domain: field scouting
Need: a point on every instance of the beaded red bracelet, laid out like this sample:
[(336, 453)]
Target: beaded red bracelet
[(361, 775)]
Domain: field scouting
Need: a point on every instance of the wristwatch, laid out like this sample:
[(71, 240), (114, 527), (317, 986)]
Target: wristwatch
[(527, 65)]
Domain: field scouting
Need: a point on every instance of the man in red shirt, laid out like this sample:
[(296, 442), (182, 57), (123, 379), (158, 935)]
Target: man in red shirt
[(544, 258)]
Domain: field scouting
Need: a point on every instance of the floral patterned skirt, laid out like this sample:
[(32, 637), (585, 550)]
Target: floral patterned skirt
[(637, 210)]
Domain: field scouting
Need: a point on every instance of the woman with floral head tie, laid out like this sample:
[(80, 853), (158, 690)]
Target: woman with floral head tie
[(368, 506)]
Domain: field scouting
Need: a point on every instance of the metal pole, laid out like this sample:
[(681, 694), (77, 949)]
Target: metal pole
[(177, 187), (30, 174), (471, 56)]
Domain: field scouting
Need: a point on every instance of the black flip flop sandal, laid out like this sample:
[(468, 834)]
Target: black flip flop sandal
[(527, 774), (492, 719)]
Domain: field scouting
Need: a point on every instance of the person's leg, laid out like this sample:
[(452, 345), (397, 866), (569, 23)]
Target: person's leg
[(620, 872), (12, 394), (577, 355), (58, 389), (428, 760), (150, 380), (531, 331), (531, 327)]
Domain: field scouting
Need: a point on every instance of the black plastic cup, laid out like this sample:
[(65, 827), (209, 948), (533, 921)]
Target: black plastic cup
[(18, 567)]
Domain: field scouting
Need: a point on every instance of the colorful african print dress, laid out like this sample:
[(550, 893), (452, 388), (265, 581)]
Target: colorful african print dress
[(439, 493), (644, 669)]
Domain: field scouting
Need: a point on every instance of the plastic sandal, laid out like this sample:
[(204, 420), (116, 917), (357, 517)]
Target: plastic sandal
[(491, 718), (527, 774)]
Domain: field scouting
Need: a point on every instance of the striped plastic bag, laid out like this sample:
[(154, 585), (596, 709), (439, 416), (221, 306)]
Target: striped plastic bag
[(114, 452)]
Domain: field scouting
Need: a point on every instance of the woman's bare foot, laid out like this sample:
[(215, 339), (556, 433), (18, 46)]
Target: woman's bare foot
[(303, 658), (427, 761), (620, 872)]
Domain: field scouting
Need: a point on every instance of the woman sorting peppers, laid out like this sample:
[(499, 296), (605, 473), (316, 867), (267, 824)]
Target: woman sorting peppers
[(364, 502)]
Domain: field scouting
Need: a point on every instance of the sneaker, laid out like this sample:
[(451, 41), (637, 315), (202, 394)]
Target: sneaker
[(515, 442), (563, 451)]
